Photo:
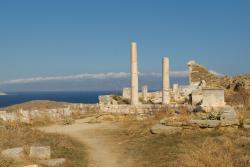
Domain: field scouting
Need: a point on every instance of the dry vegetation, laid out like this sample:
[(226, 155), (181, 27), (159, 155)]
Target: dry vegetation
[(36, 104), (191, 148), (12, 135)]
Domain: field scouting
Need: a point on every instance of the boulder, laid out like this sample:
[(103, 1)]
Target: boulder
[(40, 152), (53, 162), (16, 153), (167, 130)]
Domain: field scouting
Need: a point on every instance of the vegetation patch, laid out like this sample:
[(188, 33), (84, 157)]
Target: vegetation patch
[(12, 135)]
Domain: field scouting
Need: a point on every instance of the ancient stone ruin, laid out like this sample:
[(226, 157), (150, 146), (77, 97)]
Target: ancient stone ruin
[(207, 92), (215, 96)]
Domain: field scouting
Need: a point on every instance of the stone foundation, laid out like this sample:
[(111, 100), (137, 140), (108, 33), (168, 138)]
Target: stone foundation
[(138, 109)]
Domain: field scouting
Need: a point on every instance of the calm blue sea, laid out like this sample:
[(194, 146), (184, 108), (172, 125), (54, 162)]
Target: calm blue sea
[(72, 97)]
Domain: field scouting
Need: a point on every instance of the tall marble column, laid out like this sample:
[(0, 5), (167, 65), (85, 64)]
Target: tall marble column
[(134, 75), (165, 80)]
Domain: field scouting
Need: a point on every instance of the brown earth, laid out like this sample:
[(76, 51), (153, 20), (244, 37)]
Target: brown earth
[(103, 150)]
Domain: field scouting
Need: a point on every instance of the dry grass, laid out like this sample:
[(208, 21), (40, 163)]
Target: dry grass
[(36, 105), (191, 148), (61, 146)]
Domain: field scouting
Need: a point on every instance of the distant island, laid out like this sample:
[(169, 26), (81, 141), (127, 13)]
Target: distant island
[(2, 94)]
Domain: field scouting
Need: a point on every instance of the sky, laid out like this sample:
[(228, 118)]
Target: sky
[(59, 40)]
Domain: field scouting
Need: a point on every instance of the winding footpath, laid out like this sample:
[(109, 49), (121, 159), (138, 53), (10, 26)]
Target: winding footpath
[(103, 150)]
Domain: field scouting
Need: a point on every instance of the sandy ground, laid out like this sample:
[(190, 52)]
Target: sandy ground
[(103, 150)]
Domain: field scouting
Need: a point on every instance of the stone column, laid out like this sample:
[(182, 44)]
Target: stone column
[(145, 92), (165, 80), (175, 88), (134, 75)]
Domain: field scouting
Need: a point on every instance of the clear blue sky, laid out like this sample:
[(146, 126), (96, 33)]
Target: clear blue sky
[(64, 37)]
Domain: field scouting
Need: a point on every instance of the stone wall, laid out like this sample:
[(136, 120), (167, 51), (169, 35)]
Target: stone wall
[(129, 109), (27, 116), (213, 98)]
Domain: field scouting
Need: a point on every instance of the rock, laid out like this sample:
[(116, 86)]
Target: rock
[(53, 162), (16, 153), (107, 117), (32, 165), (246, 126), (204, 123), (91, 119), (167, 130), (141, 117), (171, 121), (243, 141), (229, 118), (234, 122), (40, 152), (228, 115), (247, 121)]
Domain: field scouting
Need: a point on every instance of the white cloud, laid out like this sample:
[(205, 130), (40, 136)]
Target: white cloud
[(85, 76)]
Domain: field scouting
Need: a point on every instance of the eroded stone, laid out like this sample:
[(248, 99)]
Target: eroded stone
[(53, 162), (16, 153), (40, 152)]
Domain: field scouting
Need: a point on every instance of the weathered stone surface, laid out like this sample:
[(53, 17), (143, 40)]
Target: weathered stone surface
[(16, 153), (246, 126), (126, 93), (247, 121), (213, 97), (165, 81), (42, 152), (231, 85), (171, 121), (134, 74), (197, 97), (168, 130), (204, 123), (229, 117), (243, 141), (35, 165), (53, 162)]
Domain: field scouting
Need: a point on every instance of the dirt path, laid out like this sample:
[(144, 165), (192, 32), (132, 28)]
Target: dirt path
[(103, 150)]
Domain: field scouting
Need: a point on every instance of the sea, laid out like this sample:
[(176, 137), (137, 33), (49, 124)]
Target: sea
[(89, 97)]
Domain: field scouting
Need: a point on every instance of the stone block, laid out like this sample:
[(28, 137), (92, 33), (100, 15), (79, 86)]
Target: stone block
[(167, 130), (53, 162), (204, 123), (247, 121), (213, 98), (16, 153), (42, 152)]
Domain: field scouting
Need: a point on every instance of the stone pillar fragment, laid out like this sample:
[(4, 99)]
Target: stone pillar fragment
[(165, 80), (145, 92), (175, 88), (134, 75)]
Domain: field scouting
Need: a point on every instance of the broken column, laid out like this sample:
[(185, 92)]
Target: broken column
[(134, 74), (175, 88), (165, 80), (145, 92)]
